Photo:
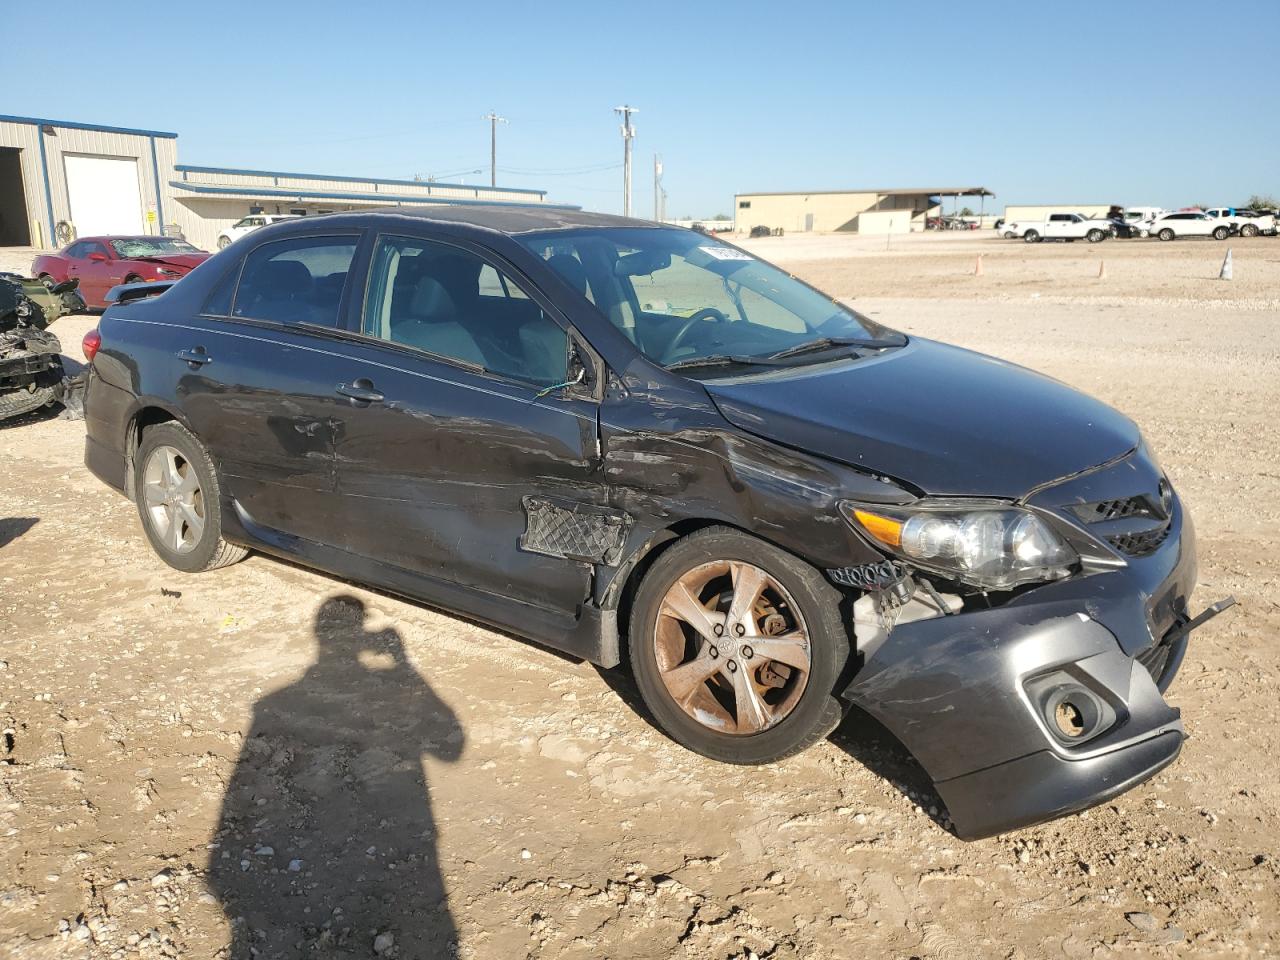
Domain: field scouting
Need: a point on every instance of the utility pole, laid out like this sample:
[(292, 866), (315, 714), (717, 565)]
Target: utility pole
[(494, 120), (628, 134), (657, 188)]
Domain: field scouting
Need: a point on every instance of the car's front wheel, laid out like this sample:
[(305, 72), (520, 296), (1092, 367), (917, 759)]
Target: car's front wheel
[(1221, 233), (179, 501), (1165, 234), (736, 647)]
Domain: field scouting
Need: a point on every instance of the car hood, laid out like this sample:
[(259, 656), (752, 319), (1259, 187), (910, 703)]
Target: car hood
[(187, 261), (945, 420)]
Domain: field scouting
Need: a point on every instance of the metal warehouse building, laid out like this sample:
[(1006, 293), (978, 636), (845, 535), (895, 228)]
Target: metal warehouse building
[(898, 210), (60, 179)]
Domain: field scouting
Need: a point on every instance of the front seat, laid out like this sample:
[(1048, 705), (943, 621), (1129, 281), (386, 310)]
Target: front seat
[(428, 321)]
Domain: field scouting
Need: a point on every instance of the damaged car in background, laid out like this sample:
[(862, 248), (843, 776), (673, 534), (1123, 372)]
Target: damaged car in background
[(643, 446), (31, 369)]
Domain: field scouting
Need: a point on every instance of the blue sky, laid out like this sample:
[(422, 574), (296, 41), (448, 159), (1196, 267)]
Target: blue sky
[(1167, 103)]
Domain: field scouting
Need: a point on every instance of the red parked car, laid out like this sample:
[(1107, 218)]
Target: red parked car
[(102, 262)]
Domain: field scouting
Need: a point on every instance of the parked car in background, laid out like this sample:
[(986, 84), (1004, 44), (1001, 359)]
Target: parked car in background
[(638, 444), (1186, 223), (249, 224), (100, 263), (1247, 223), (1140, 219), (1059, 226)]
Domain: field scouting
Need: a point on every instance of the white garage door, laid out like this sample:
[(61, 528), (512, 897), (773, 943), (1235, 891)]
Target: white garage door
[(104, 195)]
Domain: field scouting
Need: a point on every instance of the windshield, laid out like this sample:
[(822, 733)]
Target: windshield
[(683, 298), (150, 247)]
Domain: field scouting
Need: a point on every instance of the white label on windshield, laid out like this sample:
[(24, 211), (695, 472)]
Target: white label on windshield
[(726, 253)]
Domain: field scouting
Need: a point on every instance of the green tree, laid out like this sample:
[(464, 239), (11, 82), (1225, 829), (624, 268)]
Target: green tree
[(1263, 201)]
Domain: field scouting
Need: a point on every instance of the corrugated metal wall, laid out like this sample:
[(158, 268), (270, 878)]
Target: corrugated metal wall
[(58, 142)]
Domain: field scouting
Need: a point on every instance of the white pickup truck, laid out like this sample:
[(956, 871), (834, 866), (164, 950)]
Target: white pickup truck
[(1058, 226), (1247, 223)]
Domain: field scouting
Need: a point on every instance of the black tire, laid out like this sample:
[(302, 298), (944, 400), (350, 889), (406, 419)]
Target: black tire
[(817, 711), (1096, 236), (1009, 234), (210, 551), (18, 402), (1165, 234), (1221, 233), (133, 278), (1031, 237), (1249, 230)]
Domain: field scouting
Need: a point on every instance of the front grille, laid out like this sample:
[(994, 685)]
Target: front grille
[(1105, 510), (1136, 526), (1143, 543)]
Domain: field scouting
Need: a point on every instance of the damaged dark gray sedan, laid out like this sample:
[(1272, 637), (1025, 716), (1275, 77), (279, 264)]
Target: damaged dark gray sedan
[(638, 444)]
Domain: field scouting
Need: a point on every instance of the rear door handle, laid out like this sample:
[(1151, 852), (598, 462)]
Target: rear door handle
[(196, 356), (360, 390)]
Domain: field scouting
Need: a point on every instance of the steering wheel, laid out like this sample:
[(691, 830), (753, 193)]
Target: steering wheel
[(677, 340)]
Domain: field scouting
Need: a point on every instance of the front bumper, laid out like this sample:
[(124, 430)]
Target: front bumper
[(959, 691)]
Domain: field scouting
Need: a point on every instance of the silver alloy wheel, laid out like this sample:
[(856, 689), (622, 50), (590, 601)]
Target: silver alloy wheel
[(732, 647), (173, 500)]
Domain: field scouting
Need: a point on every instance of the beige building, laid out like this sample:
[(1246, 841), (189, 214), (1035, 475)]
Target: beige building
[(60, 180), (1040, 211), (863, 211)]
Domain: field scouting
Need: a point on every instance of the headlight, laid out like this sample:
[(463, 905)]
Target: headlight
[(996, 547), (168, 273)]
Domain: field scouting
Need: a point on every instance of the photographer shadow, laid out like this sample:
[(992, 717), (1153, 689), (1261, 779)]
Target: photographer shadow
[(326, 841)]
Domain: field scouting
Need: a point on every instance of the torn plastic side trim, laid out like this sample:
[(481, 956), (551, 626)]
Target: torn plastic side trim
[(574, 531)]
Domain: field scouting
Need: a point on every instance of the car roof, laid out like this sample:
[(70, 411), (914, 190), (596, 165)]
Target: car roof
[(503, 218)]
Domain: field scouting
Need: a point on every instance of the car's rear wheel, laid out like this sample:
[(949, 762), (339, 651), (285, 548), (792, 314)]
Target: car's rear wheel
[(1249, 230), (224, 242), (1221, 233), (179, 501), (736, 647), (1165, 234), (1031, 237)]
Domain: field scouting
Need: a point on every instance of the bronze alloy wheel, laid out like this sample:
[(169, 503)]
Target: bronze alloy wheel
[(732, 648)]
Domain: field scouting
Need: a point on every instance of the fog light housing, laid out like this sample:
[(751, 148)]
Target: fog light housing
[(1070, 711)]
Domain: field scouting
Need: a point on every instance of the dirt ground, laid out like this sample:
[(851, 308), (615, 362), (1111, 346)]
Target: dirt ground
[(264, 761)]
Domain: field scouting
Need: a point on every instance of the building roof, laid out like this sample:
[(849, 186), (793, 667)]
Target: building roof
[(250, 192), (71, 125), (883, 191), (235, 171)]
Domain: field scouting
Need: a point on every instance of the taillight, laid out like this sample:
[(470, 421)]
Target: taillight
[(90, 344)]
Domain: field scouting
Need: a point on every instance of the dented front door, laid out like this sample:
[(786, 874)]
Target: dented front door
[(438, 475)]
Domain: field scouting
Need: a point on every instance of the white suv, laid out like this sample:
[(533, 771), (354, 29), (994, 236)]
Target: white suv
[(247, 225), (1186, 223)]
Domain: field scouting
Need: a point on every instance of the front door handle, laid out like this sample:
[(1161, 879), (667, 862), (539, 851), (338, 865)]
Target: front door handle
[(196, 356), (361, 390)]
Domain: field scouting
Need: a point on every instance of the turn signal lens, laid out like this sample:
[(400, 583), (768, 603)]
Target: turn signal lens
[(884, 529), (90, 344)]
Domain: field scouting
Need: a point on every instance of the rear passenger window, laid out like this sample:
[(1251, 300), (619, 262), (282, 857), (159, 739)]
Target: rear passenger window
[(451, 303), (295, 281)]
